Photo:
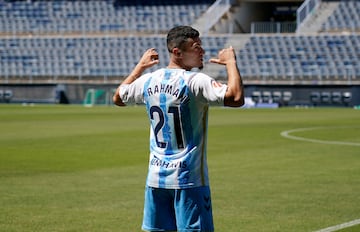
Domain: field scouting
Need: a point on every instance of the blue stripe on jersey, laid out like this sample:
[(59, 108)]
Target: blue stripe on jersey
[(166, 129), (164, 107), (186, 114), (146, 86)]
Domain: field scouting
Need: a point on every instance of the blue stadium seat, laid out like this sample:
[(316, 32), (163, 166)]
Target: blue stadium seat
[(64, 16), (263, 56), (303, 56), (345, 17)]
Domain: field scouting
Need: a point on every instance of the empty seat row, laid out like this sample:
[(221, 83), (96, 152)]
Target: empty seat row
[(327, 97), (301, 56), (90, 56), (116, 56), (345, 17), (279, 97), (92, 16)]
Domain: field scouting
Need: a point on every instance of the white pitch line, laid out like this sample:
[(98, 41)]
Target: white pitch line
[(286, 134), (340, 226)]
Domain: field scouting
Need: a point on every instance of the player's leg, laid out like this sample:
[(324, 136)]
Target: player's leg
[(159, 214), (193, 209)]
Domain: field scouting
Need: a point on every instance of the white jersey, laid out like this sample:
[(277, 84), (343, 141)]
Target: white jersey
[(177, 104)]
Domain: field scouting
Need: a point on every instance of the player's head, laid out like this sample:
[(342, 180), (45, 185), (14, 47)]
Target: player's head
[(184, 45), (178, 36)]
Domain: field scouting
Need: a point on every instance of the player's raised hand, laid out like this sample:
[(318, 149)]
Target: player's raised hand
[(149, 58), (225, 56)]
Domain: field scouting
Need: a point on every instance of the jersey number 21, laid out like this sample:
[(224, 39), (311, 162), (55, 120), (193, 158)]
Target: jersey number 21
[(175, 111)]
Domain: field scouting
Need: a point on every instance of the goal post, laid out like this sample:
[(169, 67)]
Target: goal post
[(96, 97)]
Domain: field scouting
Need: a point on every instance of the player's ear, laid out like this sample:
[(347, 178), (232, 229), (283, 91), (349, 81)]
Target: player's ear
[(177, 52)]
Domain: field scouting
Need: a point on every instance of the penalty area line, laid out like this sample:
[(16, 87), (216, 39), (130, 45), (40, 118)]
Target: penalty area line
[(340, 226)]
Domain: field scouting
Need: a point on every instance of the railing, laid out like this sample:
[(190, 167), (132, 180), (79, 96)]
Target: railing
[(212, 15), (305, 9), (273, 27)]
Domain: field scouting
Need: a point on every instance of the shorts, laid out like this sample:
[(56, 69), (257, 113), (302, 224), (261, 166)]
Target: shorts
[(178, 210)]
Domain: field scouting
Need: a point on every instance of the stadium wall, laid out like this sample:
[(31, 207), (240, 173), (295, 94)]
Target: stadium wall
[(309, 95), (301, 95), (51, 93)]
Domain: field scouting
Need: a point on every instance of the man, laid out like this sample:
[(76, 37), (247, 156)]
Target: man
[(177, 194)]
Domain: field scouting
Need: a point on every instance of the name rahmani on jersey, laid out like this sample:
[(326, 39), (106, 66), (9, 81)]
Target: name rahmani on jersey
[(168, 89)]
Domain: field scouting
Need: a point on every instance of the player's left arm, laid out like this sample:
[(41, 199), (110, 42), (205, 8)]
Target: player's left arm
[(148, 59), (234, 95)]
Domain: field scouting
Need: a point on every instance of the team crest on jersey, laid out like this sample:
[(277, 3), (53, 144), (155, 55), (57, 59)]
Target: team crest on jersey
[(216, 84)]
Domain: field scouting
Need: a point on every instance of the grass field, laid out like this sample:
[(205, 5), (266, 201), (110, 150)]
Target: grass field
[(71, 168)]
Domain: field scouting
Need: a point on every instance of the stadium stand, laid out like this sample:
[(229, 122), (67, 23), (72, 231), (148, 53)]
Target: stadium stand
[(59, 17), (346, 17), (304, 57), (82, 57), (66, 41), (63, 38)]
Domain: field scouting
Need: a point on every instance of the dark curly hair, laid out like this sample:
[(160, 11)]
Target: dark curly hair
[(177, 36)]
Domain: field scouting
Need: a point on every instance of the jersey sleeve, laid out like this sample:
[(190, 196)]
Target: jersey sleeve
[(212, 91), (133, 93)]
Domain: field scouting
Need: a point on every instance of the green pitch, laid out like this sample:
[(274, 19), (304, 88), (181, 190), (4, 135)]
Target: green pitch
[(71, 168)]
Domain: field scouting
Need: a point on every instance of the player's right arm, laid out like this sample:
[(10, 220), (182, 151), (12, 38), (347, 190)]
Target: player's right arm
[(148, 59)]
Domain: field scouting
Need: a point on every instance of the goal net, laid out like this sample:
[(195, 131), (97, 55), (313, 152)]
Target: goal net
[(96, 97)]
